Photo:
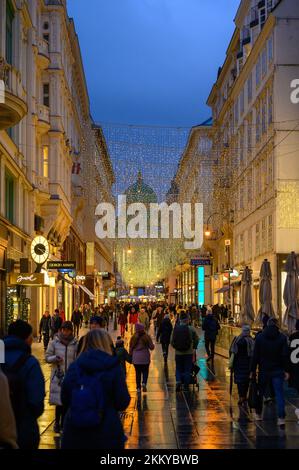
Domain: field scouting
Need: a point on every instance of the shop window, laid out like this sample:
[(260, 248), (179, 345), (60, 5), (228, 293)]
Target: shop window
[(9, 31), (201, 285), (9, 197)]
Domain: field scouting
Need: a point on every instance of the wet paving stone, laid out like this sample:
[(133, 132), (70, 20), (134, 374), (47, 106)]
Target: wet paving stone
[(204, 419)]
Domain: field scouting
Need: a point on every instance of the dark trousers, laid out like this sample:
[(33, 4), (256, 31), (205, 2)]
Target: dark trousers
[(243, 389), (184, 363), (76, 329), (210, 347), (141, 372), (60, 412), (165, 348), (46, 338), (277, 383)]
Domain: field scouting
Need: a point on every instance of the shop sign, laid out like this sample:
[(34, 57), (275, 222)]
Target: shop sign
[(200, 262), (70, 265), (36, 279), (80, 278), (105, 275)]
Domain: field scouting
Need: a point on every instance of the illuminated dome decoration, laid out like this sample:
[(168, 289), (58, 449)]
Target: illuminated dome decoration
[(140, 192)]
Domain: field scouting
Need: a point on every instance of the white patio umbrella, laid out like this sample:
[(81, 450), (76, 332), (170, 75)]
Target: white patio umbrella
[(247, 310), (291, 292), (265, 293)]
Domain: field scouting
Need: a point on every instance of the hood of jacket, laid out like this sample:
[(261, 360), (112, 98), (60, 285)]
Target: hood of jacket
[(271, 333), (12, 343), (95, 361)]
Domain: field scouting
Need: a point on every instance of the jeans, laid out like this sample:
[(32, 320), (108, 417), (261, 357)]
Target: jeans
[(184, 365), (210, 347), (141, 371), (165, 348), (277, 383)]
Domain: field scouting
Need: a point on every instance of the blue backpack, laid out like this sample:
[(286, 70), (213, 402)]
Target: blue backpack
[(87, 401)]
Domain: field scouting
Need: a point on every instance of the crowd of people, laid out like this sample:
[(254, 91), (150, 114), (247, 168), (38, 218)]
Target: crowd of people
[(88, 370)]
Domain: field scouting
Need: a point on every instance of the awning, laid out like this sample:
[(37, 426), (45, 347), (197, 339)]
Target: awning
[(87, 291), (222, 290)]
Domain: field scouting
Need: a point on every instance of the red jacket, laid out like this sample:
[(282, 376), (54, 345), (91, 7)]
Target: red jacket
[(133, 318)]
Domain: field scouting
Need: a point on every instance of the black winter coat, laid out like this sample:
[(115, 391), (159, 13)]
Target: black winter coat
[(211, 327), (271, 353), (242, 363), (165, 331)]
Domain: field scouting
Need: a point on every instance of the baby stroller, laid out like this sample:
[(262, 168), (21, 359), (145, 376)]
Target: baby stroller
[(194, 373)]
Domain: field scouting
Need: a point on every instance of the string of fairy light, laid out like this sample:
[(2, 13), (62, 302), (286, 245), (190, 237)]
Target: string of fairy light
[(156, 153)]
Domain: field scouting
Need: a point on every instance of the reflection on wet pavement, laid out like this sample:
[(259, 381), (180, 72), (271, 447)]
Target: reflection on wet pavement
[(208, 419)]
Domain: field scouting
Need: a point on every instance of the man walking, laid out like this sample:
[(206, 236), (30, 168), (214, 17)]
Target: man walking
[(77, 319), (270, 356), (211, 327), (184, 340)]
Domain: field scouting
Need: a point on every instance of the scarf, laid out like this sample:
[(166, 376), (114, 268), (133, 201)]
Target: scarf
[(65, 340), (235, 344)]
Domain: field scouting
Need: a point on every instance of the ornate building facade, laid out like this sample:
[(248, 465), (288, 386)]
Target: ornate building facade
[(47, 146)]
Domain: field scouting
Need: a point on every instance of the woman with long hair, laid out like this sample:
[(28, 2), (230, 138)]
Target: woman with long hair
[(94, 392), (140, 346)]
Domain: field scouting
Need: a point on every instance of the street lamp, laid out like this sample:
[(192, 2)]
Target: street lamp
[(208, 232)]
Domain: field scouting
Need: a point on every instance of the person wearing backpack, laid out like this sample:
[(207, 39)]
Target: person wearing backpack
[(184, 340), (26, 383), (94, 391), (140, 346), (61, 352), (211, 327), (8, 430), (164, 335)]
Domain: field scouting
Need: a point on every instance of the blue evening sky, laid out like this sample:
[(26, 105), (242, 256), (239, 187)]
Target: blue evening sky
[(152, 62)]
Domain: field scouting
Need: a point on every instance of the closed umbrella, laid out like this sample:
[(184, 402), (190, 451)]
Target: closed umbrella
[(247, 311), (291, 292), (265, 293)]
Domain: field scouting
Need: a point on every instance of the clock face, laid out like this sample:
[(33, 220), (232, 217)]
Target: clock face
[(40, 250)]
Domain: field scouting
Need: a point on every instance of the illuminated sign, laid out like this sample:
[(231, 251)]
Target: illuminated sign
[(30, 280), (71, 265)]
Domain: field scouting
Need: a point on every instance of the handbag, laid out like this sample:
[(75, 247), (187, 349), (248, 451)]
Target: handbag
[(253, 394)]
